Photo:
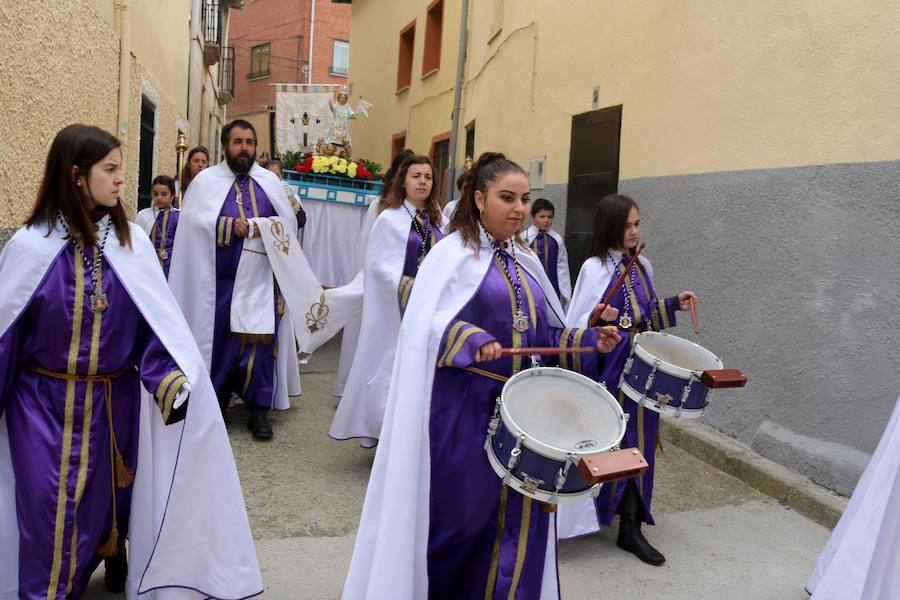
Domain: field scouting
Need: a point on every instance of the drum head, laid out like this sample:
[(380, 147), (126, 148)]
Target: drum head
[(563, 411), (677, 351)]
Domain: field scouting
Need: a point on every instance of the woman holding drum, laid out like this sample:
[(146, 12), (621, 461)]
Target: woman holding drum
[(438, 521), (617, 232)]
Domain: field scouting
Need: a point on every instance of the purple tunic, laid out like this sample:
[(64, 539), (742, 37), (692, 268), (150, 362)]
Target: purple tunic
[(643, 424), (416, 249), (547, 250), (245, 366), (59, 431), (485, 539), (162, 236)]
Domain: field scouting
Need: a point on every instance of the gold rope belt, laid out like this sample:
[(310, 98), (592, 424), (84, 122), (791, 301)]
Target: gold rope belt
[(120, 474)]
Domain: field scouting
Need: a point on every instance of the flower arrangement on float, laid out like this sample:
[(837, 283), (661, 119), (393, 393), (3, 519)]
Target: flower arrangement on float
[(314, 164)]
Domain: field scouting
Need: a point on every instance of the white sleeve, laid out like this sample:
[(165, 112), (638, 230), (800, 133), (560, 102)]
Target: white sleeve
[(562, 272), (592, 282)]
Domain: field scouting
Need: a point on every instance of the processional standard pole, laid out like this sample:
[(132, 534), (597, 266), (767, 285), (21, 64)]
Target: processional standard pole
[(180, 149)]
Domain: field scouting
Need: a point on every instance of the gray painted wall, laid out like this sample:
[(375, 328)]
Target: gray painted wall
[(797, 274)]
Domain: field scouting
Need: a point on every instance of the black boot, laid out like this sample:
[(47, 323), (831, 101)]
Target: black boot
[(116, 570), (631, 510), (258, 424)]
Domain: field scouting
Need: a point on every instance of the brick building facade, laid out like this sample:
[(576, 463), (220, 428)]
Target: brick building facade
[(271, 40)]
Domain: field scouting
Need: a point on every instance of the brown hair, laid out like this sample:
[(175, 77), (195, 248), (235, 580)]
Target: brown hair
[(609, 223), (398, 191), (185, 177), (392, 170), (166, 181), (79, 146), (485, 171)]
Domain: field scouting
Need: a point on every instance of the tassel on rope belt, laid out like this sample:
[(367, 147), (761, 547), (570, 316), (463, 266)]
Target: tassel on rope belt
[(120, 474)]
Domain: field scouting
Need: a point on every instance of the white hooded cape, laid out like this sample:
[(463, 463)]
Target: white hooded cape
[(861, 561), (390, 555), (180, 544), (361, 410), (351, 331), (192, 274)]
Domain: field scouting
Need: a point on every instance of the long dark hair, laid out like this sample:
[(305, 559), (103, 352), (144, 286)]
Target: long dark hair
[(392, 171), (80, 146), (398, 190), (185, 177), (485, 171), (609, 223)]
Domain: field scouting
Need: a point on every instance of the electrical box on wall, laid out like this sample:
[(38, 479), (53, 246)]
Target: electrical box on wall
[(537, 167)]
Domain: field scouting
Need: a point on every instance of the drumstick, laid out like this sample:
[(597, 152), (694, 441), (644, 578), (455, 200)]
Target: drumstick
[(595, 318), (551, 350), (693, 305)]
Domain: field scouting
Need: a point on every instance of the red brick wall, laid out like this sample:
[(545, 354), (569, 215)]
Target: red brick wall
[(285, 25)]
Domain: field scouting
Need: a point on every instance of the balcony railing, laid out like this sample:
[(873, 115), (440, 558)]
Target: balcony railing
[(212, 22), (226, 75)]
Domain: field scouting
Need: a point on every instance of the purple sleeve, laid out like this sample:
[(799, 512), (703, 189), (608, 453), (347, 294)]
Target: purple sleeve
[(301, 217), (225, 231), (161, 376), (663, 313), (460, 344), (9, 349), (588, 363)]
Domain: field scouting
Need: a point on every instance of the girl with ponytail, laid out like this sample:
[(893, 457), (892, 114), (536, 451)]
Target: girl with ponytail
[(429, 526)]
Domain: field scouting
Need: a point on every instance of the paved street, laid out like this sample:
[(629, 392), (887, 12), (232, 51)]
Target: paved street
[(304, 493)]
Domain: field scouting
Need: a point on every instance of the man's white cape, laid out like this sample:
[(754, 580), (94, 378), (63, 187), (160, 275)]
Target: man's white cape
[(390, 555), (861, 561), (361, 410), (575, 519), (181, 545), (562, 262), (192, 274)]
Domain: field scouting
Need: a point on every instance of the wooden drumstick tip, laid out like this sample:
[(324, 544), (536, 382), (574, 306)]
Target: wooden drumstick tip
[(693, 306)]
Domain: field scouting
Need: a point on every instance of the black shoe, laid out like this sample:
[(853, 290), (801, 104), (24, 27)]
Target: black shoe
[(630, 537), (258, 424), (632, 540), (116, 571)]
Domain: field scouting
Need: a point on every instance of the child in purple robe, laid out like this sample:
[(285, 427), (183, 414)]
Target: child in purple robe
[(438, 521), (550, 249), (636, 308), (162, 234)]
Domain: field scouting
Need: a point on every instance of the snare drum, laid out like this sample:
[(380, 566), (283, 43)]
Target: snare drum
[(663, 374), (545, 420)]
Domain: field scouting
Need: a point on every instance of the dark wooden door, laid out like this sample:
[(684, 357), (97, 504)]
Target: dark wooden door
[(145, 158), (593, 173)]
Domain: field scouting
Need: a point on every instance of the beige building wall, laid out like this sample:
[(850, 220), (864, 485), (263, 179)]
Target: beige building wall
[(705, 85), (65, 69), (423, 110), (50, 76)]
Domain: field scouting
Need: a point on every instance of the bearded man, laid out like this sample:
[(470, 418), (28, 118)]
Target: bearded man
[(237, 315)]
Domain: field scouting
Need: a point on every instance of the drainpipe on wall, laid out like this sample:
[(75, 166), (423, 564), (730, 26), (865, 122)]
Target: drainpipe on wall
[(312, 32), (193, 109), (124, 67), (457, 95)]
